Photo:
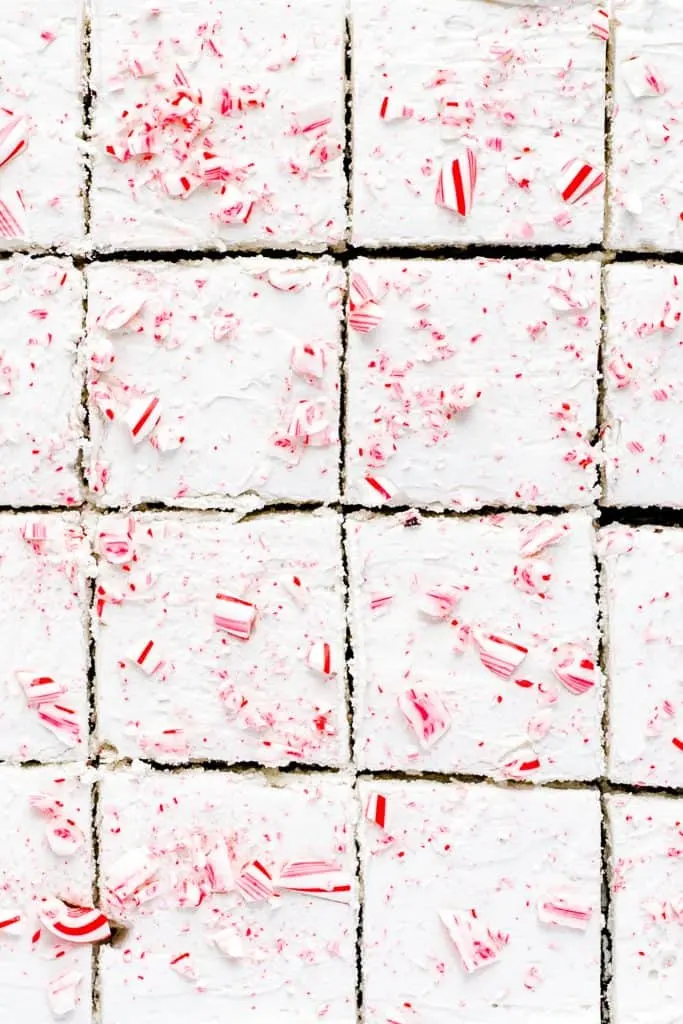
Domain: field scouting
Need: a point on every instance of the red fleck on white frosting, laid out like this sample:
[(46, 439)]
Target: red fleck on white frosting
[(489, 668), (476, 363), (204, 131)]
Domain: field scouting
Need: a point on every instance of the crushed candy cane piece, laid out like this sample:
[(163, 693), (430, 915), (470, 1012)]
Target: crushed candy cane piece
[(499, 654), (599, 25), (133, 877), (39, 689), (360, 292), (532, 576), (320, 878), (382, 486), (142, 417), (426, 714), (255, 882), (308, 360), (536, 538), (579, 179), (438, 602), (457, 182), (34, 531), (62, 993), (234, 616), (376, 809), (219, 867), (45, 805), (564, 912), (115, 548), (319, 658), (574, 668), (13, 138), (73, 924), (365, 319), (117, 316), (641, 78), (11, 921), (145, 656), (392, 108), (477, 945), (229, 942), (62, 722), (12, 215), (183, 965), (64, 837)]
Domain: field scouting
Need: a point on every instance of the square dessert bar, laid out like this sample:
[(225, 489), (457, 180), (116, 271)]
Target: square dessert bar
[(645, 203), (218, 125), (45, 862), (474, 645), (643, 598), (238, 895), (44, 568), (480, 903), (643, 368), (41, 316), (217, 639), (646, 883), (42, 173), (477, 122), (472, 382), (213, 382)]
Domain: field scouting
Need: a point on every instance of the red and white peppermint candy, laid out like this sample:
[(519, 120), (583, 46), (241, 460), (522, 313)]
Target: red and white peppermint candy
[(34, 531), (522, 765), (145, 656), (143, 416), (286, 278), (74, 924), (39, 689), (460, 397), (319, 658), (115, 548), (541, 535), (381, 486), (46, 805), (11, 921), (12, 215), (380, 603), (320, 878), (457, 182), (393, 108), (64, 837), (225, 324), (575, 668), (62, 721), (238, 206), (620, 371), (255, 882), (376, 809), (183, 964), (133, 877), (565, 296), (310, 423), (366, 318), (360, 292), (229, 942), (218, 867), (568, 913), (13, 138), (477, 945), (499, 654), (599, 25), (426, 714), (308, 360), (235, 616), (178, 184), (315, 118), (532, 576), (579, 179), (438, 602), (117, 316), (102, 355), (62, 993), (642, 79)]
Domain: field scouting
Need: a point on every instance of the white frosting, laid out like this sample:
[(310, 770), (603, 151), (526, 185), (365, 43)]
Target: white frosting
[(40, 390), (526, 725), (643, 373), (262, 699), (525, 84), (31, 871), (643, 596), (450, 847), (646, 201), (43, 632), (214, 342), (291, 958), (40, 70), (647, 878), (520, 339), (284, 62)]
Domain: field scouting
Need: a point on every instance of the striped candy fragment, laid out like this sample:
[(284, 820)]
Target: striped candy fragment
[(79, 925), (39, 690), (477, 945), (499, 654), (64, 837), (234, 616), (12, 215), (117, 316), (457, 182), (142, 417), (310, 424), (115, 548), (360, 292), (599, 25), (320, 878), (567, 913), (578, 179), (133, 877), (62, 993), (13, 138), (532, 576), (382, 486), (145, 656), (319, 658), (11, 921), (392, 108), (426, 714), (218, 867), (541, 535), (255, 882), (574, 668), (238, 206), (62, 722), (641, 78), (34, 531), (308, 360), (376, 809), (286, 278), (438, 602), (366, 318)]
